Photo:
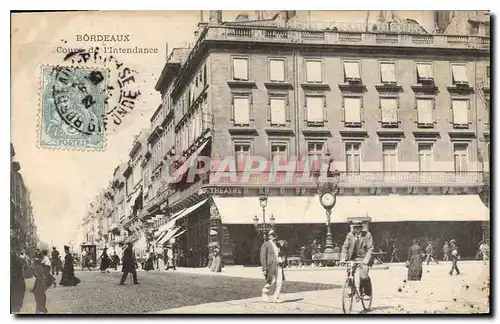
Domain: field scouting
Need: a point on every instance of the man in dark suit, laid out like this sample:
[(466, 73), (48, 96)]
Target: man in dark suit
[(358, 246), (455, 256), (272, 268), (129, 265)]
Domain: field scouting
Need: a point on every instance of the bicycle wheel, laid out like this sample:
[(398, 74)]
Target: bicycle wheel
[(348, 291), (367, 303)]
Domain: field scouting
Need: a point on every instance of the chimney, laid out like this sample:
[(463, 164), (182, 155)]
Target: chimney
[(215, 17), (260, 14), (166, 51)]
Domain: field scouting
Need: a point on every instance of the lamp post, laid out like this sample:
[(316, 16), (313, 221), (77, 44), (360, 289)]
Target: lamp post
[(327, 198), (264, 227)]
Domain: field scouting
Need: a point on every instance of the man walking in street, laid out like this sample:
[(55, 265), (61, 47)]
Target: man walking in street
[(455, 256), (55, 261), (116, 260), (272, 268), (446, 251), (394, 254), (129, 265), (430, 254)]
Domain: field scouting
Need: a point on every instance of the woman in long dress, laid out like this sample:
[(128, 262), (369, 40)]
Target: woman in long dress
[(415, 259), (68, 273), (104, 260), (216, 265)]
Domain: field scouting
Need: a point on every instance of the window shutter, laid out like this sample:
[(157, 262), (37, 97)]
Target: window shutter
[(241, 111), (314, 71), (240, 69), (342, 113), (277, 70), (425, 113), (424, 70), (314, 109), (389, 110), (459, 73), (388, 72), (278, 115), (352, 110), (351, 70), (460, 112)]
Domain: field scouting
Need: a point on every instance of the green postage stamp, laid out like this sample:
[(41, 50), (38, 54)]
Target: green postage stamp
[(73, 108)]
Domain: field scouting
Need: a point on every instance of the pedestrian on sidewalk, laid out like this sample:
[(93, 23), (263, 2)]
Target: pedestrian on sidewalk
[(170, 258), (129, 265), (55, 261), (446, 252), (414, 263), (17, 282), (484, 249), (430, 254), (46, 265), (40, 286), (216, 265), (160, 257), (104, 260), (68, 273), (272, 268), (116, 260), (395, 254), (85, 260), (455, 256)]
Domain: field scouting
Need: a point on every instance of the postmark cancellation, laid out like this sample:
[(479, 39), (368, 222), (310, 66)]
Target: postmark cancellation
[(72, 108)]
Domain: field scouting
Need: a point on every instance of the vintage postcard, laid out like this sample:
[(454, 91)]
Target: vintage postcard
[(253, 162)]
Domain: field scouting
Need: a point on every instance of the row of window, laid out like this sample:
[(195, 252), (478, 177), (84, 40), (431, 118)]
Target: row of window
[(390, 156), (352, 110), (314, 71)]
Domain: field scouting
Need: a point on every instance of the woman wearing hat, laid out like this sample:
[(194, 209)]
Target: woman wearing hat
[(68, 272), (415, 260), (104, 260)]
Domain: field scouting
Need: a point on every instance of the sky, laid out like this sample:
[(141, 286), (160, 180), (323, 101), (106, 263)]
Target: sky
[(62, 182)]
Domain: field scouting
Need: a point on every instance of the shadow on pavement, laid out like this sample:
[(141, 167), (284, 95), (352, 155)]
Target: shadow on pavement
[(292, 300), (376, 309)]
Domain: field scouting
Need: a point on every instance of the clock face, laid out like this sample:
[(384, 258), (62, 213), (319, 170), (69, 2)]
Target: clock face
[(328, 199)]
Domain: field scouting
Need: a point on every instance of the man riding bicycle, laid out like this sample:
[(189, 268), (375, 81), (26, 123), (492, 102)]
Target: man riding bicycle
[(358, 246)]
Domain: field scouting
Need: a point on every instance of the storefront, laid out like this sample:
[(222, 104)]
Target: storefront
[(395, 219), (187, 231)]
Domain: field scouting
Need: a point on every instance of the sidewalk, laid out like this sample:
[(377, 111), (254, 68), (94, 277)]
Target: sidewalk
[(438, 292)]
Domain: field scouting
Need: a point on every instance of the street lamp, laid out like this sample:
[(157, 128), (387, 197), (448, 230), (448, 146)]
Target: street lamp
[(327, 198), (264, 227)]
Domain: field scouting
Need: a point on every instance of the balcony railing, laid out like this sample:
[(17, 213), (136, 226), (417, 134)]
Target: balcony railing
[(342, 36), (356, 179)]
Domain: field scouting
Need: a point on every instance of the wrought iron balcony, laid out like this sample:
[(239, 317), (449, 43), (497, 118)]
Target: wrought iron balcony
[(352, 179)]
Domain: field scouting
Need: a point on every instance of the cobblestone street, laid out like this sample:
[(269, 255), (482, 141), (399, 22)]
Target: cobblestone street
[(237, 289)]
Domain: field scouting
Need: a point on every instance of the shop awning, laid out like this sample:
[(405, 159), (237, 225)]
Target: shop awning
[(160, 237), (179, 234), (179, 215), (169, 235), (425, 208), (393, 208)]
